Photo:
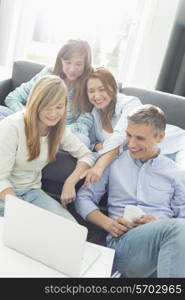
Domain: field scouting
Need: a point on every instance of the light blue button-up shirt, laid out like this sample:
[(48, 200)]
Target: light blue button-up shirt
[(156, 186)]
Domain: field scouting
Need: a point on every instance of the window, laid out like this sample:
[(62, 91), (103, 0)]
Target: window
[(129, 37), (106, 25)]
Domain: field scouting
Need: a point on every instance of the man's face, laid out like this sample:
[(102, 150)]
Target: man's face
[(142, 141)]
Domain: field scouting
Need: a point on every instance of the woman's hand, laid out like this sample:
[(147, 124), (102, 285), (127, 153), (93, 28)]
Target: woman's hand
[(91, 175), (68, 193), (98, 147), (6, 192)]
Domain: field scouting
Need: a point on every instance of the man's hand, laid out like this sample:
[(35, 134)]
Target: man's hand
[(118, 227), (143, 220), (68, 193), (91, 175)]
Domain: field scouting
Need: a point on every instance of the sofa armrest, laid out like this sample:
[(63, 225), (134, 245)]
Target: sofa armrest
[(5, 89)]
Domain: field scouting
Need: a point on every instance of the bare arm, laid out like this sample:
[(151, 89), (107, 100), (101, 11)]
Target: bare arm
[(68, 191), (93, 174)]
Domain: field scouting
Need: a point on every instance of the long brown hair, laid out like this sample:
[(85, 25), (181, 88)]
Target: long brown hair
[(110, 85), (47, 91), (70, 48)]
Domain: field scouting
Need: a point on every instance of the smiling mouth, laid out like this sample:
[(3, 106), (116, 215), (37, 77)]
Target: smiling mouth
[(52, 120), (99, 101), (72, 75), (135, 151)]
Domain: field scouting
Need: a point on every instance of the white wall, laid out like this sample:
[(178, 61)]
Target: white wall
[(142, 64)]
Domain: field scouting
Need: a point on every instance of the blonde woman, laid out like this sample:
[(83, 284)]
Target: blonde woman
[(30, 139)]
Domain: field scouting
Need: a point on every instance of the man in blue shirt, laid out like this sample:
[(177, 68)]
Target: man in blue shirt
[(152, 245)]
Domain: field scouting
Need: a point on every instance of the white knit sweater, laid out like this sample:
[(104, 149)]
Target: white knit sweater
[(15, 170)]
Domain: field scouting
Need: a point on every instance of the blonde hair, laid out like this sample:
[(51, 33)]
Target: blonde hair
[(46, 92), (70, 48), (110, 85)]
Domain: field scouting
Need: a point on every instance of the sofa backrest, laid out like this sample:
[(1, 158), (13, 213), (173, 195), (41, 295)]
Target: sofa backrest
[(23, 71), (172, 105)]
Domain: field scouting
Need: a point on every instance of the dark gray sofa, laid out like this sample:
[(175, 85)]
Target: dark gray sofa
[(55, 173), (172, 105)]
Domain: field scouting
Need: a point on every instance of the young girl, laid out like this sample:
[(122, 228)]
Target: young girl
[(110, 121), (73, 64), (30, 138)]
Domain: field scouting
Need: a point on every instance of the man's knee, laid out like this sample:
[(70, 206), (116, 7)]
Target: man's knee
[(179, 225), (175, 228)]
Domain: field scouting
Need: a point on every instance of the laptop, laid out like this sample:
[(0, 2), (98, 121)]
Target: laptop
[(44, 236)]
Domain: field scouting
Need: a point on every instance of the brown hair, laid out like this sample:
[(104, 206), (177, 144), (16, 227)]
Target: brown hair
[(110, 85), (70, 48), (47, 91)]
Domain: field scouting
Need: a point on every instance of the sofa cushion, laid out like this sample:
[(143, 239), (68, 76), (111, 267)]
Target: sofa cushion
[(23, 71)]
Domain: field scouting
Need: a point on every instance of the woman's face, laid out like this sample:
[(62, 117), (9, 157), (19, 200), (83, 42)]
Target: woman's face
[(73, 67), (97, 94), (51, 115)]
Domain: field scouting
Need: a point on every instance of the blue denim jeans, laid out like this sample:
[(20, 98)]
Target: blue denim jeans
[(155, 249), (39, 198)]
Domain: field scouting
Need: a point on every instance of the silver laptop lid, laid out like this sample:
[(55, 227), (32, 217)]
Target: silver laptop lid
[(44, 236)]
